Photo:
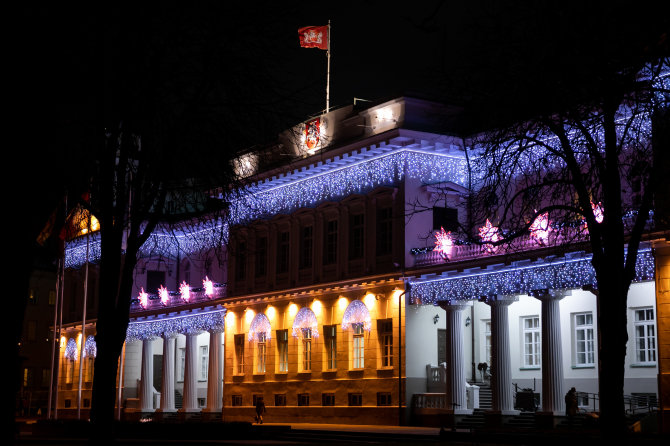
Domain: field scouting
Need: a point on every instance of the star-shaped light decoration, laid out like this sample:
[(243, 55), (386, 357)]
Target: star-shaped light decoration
[(163, 294), (444, 243), (185, 291), (489, 233), (209, 287), (540, 228), (598, 211), (144, 298)]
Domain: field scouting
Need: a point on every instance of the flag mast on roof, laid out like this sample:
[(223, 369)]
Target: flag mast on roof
[(318, 37)]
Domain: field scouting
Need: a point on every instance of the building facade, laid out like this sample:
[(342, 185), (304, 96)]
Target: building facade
[(324, 295)]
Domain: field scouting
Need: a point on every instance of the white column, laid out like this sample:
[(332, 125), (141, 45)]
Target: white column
[(552, 351), (501, 373), (215, 373), (190, 403), (455, 387), (147, 376), (167, 390)]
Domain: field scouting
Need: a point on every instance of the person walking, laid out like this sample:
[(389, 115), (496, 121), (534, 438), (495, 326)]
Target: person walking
[(260, 409), (571, 404)]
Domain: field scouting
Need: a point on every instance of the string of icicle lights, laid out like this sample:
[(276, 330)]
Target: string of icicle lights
[(71, 350), (264, 201), (567, 273), (90, 347), (305, 319), (169, 326), (260, 324)]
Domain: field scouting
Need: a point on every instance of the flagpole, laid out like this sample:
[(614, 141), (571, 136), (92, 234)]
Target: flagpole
[(328, 74)]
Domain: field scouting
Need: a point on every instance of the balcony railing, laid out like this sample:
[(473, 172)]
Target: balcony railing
[(175, 299)]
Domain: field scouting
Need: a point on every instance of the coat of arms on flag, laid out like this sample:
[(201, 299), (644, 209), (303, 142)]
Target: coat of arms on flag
[(312, 133), (314, 37)]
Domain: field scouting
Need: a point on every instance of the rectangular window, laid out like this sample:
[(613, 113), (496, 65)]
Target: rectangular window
[(385, 329), (241, 261), (330, 341), (327, 399), (27, 377), (531, 341), (384, 399), (181, 361), (355, 399), (645, 336), (282, 252), (330, 243), (282, 350), (306, 243), (306, 349), (487, 336), (239, 354), (204, 362), (444, 217), (584, 342), (261, 256), (236, 400), (384, 231), (303, 399), (155, 279), (358, 346), (280, 399), (356, 236), (260, 353)]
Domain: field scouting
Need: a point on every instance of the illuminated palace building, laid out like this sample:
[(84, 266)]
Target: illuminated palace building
[(330, 299)]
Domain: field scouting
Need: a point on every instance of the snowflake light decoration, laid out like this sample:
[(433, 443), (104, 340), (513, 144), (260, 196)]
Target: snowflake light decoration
[(540, 228), (164, 295), (444, 243), (144, 298), (356, 313), (489, 233), (209, 286), (185, 291)]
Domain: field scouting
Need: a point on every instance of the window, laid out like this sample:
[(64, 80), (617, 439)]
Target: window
[(355, 399), (306, 349), (202, 402), (358, 346), (303, 399), (327, 399), (236, 400), (154, 281), (384, 399), (241, 261), (27, 377), (444, 217), (385, 328), (239, 354), (645, 336), (531, 341), (330, 243), (87, 402), (384, 231), (306, 234), (584, 343), (282, 350), (261, 256), (280, 399), (356, 236), (182, 364), (260, 353), (282, 252), (330, 341), (204, 362)]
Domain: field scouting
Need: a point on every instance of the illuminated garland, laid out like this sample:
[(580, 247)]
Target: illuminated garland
[(567, 273), (71, 350), (90, 347), (305, 319), (356, 313), (167, 326), (260, 324)]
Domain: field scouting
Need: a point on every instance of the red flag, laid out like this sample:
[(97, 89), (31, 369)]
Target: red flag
[(314, 37)]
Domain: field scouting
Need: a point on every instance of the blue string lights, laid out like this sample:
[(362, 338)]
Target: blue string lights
[(182, 324), (550, 274), (356, 313)]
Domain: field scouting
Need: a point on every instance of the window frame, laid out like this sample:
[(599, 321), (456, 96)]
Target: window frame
[(650, 341), (588, 349), (535, 331)]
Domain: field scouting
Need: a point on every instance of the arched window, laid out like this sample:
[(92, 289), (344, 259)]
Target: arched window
[(305, 327), (357, 319), (260, 332)]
